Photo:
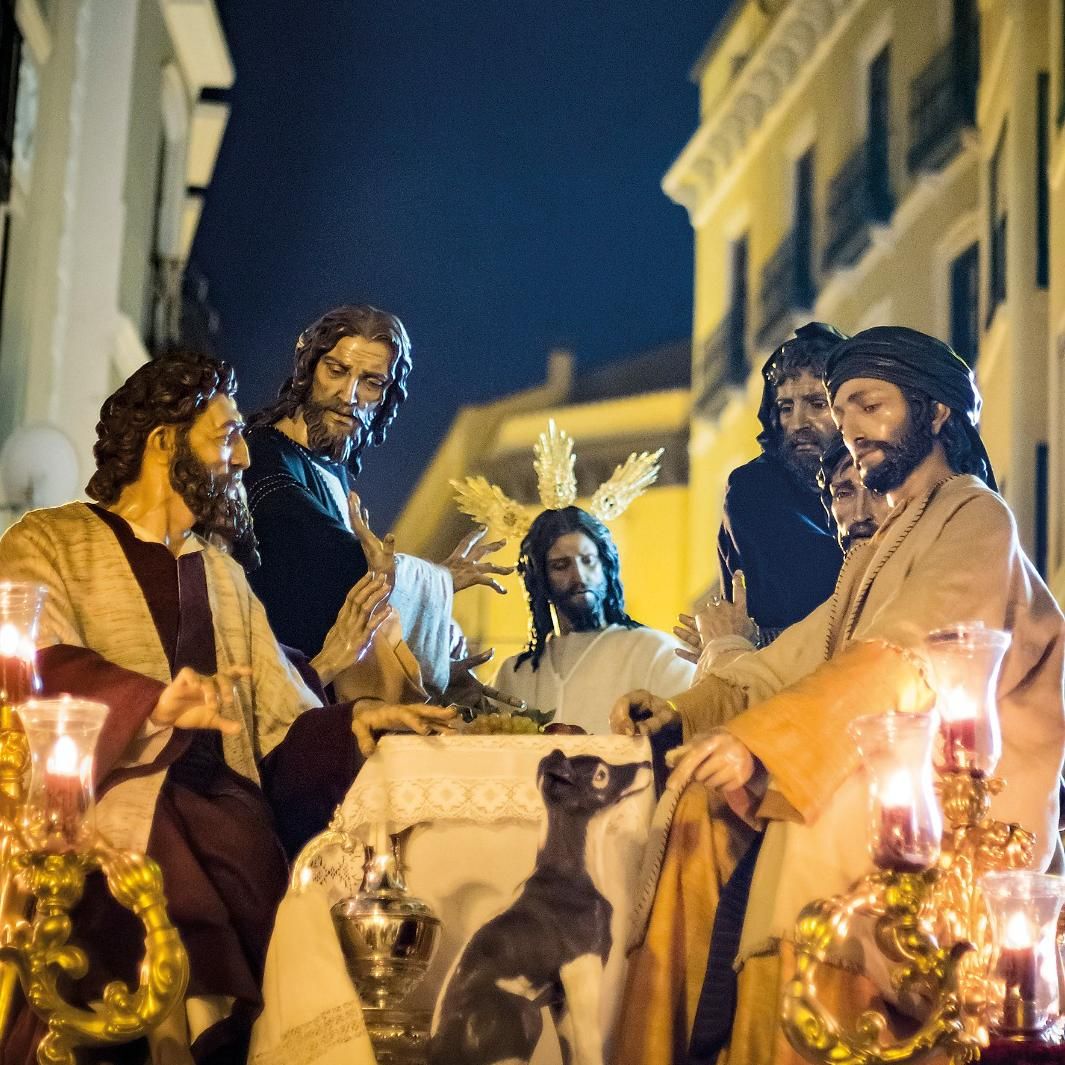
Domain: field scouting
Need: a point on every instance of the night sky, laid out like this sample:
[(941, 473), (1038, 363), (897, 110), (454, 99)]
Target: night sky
[(487, 169)]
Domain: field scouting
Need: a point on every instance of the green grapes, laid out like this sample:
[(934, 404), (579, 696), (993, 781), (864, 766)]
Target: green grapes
[(501, 725)]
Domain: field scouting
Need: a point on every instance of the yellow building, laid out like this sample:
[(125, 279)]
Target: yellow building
[(107, 145), (865, 162), (609, 414), (1056, 313)]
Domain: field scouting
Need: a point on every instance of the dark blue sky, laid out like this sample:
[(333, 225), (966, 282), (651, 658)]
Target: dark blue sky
[(487, 169)]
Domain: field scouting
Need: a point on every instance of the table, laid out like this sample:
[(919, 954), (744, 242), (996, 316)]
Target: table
[(476, 820)]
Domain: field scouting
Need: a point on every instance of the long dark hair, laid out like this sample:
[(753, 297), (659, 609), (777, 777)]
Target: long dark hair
[(171, 390), (532, 565), (318, 340), (953, 434)]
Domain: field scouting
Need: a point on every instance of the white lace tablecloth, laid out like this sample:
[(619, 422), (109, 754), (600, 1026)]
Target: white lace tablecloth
[(484, 780), (476, 820)]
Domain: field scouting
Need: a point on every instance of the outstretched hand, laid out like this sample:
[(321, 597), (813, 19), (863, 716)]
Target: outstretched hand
[(380, 554), (364, 611), (466, 566), (194, 700), (412, 717)]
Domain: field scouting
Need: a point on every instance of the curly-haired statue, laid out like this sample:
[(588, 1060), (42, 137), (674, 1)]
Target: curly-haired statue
[(174, 392), (773, 528), (346, 387), (584, 650), (203, 758)]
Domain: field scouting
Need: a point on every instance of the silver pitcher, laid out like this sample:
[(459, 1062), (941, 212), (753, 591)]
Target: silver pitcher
[(388, 938)]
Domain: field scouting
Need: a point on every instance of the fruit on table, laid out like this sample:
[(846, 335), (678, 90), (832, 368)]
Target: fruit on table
[(563, 728), (501, 725)]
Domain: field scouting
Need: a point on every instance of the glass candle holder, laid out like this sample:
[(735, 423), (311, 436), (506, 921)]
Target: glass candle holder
[(20, 609), (1024, 909), (59, 809), (965, 661), (905, 823)]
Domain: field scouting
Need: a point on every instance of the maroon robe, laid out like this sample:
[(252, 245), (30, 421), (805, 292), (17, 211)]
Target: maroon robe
[(214, 832)]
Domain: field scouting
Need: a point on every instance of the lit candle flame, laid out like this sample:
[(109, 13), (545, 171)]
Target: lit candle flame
[(10, 640), (898, 790), (955, 704), (1018, 933), (63, 761)]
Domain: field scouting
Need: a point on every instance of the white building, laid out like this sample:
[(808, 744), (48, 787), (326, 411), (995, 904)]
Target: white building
[(106, 148)]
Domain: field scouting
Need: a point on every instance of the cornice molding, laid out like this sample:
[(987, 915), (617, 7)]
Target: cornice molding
[(798, 33)]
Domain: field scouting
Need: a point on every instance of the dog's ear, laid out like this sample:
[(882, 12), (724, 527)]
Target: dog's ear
[(557, 765)]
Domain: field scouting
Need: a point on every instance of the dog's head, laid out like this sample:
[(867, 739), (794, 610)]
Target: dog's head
[(586, 784)]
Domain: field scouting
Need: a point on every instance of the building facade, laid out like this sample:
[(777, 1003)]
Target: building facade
[(109, 141), (869, 162), (610, 413)]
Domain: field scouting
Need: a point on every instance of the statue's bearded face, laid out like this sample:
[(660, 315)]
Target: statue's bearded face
[(857, 511), (576, 582), (881, 433), (348, 386), (207, 470), (806, 426)]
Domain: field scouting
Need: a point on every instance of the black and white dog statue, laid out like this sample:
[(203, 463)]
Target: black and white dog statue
[(548, 949)]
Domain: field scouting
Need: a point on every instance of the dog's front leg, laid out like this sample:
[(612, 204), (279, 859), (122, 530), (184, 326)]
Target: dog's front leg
[(582, 982)]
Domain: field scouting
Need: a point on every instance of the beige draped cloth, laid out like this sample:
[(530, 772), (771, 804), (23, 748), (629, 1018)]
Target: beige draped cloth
[(95, 602), (952, 556)]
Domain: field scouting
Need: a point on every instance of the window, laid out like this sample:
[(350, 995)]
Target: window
[(965, 303), (1042, 191), (10, 52), (737, 328), (1042, 506), (1061, 63), (878, 144), (996, 193), (803, 232)]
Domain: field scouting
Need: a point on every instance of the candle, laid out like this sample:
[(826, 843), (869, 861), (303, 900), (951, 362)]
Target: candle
[(17, 679), (958, 712), (1018, 969), (898, 845), (63, 791)]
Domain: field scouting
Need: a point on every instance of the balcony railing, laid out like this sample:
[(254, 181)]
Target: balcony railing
[(859, 197), (724, 363), (943, 103), (787, 287)]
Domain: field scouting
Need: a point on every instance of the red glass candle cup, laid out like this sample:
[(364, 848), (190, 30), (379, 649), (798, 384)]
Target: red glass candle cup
[(965, 661), (62, 735), (20, 609), (1024, 909), (905, 823)]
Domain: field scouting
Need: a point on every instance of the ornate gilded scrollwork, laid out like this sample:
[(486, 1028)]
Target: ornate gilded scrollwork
[(923, 973), (39, 948), (973, 844)]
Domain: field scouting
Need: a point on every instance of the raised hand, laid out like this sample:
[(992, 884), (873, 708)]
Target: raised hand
[(411, 717), (687, 632), (194, 700), (719, 617), (364, 611), (380, 554), (466, 566), (641, 713)]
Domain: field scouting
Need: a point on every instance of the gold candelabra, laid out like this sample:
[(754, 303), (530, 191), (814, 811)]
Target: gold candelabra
[(932, 926), (48, 845), (928, 907)]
